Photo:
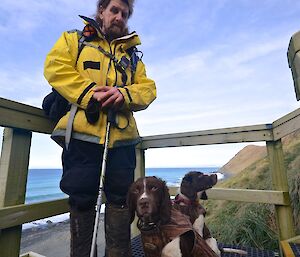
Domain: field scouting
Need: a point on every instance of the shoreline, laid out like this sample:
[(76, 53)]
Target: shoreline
[(53, 239)]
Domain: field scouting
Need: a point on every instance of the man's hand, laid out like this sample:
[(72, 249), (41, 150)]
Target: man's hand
[(109, 97)]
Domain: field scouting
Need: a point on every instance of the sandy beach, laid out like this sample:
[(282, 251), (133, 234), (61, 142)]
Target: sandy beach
[(53, 239)]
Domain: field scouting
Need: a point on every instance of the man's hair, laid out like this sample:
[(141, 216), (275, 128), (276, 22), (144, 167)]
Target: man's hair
[(105, 3)]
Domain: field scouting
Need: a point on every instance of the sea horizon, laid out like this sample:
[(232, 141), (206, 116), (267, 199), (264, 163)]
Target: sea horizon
[(43, 185)]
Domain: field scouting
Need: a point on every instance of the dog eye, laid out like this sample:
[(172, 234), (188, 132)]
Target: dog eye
[(136, 191), (154, 188)]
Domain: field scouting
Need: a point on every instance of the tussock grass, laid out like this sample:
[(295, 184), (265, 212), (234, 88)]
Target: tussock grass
[(254, 224)]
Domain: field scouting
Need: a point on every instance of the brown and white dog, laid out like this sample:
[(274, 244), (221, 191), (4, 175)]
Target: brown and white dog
[(165, 231), (192, 189)]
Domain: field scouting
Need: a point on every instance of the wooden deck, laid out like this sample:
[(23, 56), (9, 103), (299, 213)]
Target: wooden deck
[(252, 252)]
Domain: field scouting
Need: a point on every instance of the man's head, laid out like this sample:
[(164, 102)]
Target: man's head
[(112, 16)]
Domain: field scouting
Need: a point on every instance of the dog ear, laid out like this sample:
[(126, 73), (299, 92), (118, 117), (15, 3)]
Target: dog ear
[(203, 196), (214, 179), (165, 207), (131, 203)]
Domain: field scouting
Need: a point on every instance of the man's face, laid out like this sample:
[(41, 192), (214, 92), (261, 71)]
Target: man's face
[(114, 19)]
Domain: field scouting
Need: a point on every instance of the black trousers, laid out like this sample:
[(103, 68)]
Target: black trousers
[(81, 172)]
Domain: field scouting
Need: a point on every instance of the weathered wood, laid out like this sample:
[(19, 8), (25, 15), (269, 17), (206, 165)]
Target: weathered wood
[(286, 118), (14, 166), (207, 137), (10, 240), (286, 125), (140, 163), (279, 179), (13, 178), (139, 172), (16, 115), (19, 214), (16, 215), (245, 195), (295, 240), (24, 108)]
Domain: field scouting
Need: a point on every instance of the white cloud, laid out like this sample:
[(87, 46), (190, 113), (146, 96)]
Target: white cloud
[(27, 16), (25, 87)]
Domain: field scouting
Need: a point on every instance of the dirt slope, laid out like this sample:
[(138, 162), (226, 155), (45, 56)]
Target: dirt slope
[(244, 159)]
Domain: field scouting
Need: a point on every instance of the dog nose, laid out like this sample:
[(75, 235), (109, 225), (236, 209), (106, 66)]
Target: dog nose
[(144, 203)]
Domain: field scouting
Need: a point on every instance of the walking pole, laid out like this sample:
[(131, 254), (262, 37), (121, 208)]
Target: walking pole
[(110, 120)]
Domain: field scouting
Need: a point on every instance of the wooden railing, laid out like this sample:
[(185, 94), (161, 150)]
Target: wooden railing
[(21, 120)]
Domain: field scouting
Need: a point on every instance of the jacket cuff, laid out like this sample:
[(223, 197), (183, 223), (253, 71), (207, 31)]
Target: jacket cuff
[(127, 96), (86, 95)]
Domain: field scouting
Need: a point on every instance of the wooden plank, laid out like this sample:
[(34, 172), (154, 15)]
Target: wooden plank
[(13, 178), (286, 248), (207, 137), (16, 215), (140, 163), (213, 131), (295, 240), (283, 129), (19, 214), (245, 195), (9, 104), (284, 215), (18, 115), (14, 166), (139, 172), (286, 118), (10, 240), (23, 120)]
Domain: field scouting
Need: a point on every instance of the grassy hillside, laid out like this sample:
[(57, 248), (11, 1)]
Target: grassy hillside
[(244, 159), (254, 224)]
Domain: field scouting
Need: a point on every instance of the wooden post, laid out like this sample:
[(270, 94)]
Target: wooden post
[(279, 178), (13, 178), (139, 172), (140, 163)]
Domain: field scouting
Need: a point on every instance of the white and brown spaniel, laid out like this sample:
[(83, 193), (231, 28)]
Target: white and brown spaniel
[(192, 189), (165, 231)]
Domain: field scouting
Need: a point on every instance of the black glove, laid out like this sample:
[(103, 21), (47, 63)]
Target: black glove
[(92, 111)]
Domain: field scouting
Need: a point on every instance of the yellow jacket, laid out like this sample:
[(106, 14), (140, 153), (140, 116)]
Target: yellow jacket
[(75, 81)]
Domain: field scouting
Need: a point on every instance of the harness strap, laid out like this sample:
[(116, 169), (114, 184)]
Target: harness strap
[(69, 127), (121, 65)]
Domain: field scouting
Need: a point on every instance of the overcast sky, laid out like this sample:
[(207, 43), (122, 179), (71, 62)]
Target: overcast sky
[(216, 64)]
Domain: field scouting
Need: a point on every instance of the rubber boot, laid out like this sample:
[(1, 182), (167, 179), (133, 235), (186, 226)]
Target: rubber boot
[(82, 227), (117, 231)]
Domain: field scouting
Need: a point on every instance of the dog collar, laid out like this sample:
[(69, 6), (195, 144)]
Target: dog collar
[(182, 200), (146, 226)]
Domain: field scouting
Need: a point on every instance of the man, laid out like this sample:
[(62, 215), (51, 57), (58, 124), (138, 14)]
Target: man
[(92, 79)]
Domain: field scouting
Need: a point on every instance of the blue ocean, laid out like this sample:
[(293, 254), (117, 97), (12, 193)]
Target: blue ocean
[(43, 185)]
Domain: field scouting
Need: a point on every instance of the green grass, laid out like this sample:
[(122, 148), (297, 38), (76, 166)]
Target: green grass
[(254, 224)]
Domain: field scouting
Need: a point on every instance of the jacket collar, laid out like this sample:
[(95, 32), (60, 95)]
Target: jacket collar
[(130, 40)]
